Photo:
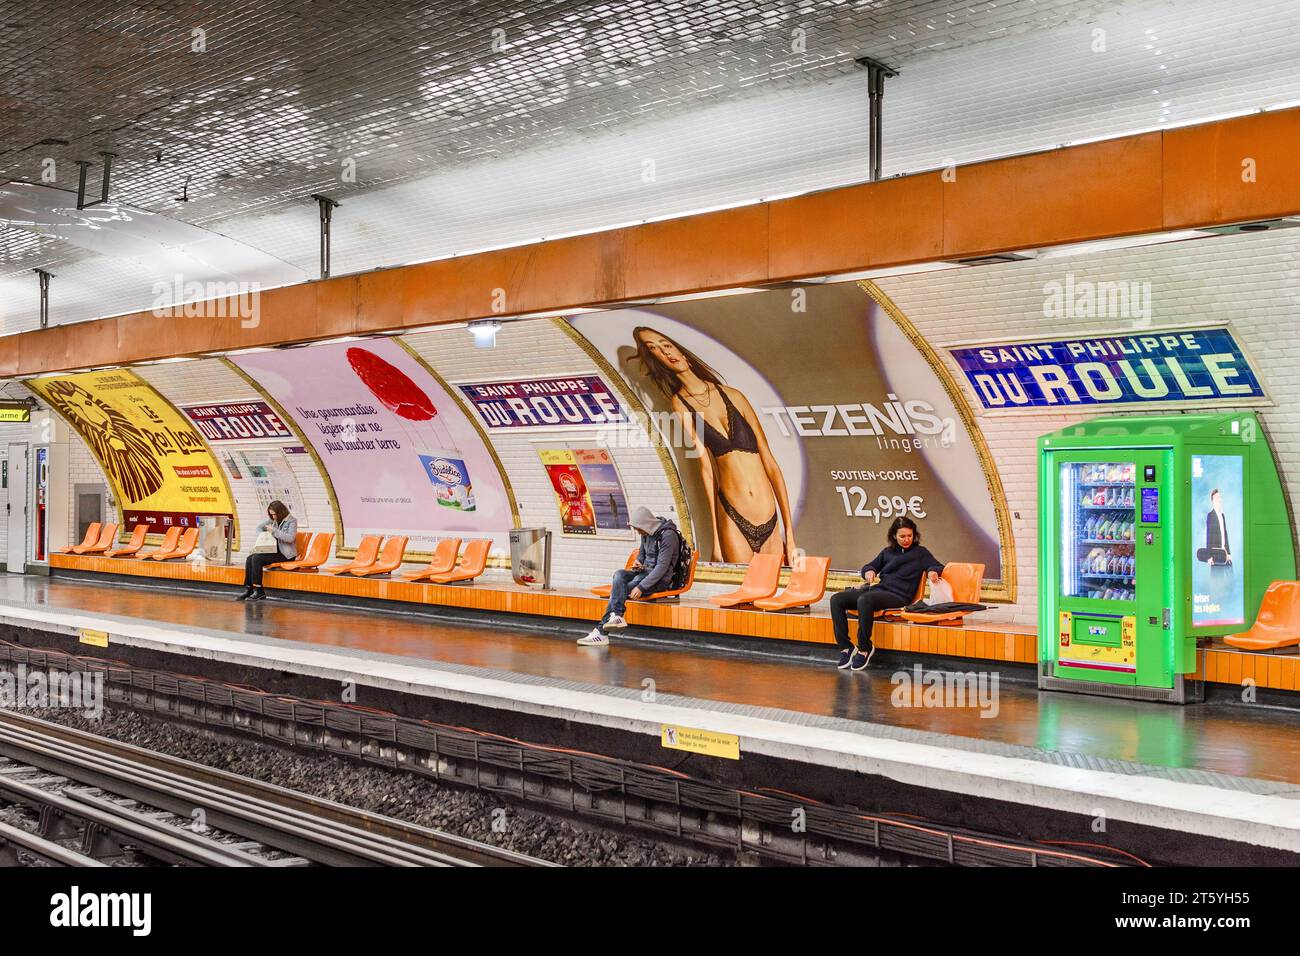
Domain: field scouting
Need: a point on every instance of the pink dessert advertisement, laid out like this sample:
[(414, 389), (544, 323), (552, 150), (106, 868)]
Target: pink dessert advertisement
[(403, 458)]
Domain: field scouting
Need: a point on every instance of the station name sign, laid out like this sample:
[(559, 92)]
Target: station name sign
[(545, 402), (1190, 366), (238, 421)]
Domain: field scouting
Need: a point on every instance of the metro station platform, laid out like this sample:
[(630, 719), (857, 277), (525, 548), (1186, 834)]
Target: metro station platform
[(1223, 776), (975, 639)]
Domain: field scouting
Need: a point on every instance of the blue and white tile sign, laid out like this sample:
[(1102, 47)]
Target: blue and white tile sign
[(1194, 366)]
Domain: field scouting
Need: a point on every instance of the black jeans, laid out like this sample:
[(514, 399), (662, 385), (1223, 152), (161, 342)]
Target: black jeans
[(255, 564), (866, 601)]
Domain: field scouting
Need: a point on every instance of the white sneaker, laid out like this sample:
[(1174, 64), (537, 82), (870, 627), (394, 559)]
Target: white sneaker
[(615, 623), (595, 639)]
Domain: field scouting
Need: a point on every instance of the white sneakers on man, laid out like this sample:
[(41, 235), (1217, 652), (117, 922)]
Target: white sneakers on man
[(596, 638), (615, 623)]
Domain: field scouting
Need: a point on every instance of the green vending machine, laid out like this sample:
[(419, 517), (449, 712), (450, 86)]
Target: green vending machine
[(1154, 531)]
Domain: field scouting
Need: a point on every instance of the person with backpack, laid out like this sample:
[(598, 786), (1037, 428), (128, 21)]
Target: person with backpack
[(656, 567)]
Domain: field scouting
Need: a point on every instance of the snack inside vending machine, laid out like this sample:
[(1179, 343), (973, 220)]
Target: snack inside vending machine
[(1154, 532)]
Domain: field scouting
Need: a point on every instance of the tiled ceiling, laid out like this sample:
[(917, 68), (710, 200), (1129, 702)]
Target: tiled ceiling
[(286, 93)]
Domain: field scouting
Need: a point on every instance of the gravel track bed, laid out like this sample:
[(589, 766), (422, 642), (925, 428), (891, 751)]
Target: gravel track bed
[(405, 796)]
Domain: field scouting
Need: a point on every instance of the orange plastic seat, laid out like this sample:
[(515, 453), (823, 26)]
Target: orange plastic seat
[(169, 541), (107, 535), (965, 581), (300, 542), (762, 578), (472, 563), (389, 560), (602, 590), (673, 593), (92, 535), (131, 547), (189, 539), (893, 612), (443, 561), (1278, 623), (367, 552), (316, 554), (806, 587)]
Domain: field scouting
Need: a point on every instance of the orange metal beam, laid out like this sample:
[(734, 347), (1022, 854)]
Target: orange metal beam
[(1213, 174)]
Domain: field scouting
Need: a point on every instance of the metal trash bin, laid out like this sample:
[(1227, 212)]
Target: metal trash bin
[(530, 557), (216, 535)]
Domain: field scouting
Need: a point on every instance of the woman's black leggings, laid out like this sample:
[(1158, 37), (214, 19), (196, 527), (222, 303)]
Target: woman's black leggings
[(255, 564), (866, 601)]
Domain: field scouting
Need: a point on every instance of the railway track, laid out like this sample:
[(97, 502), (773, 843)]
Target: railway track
[(90, 801)]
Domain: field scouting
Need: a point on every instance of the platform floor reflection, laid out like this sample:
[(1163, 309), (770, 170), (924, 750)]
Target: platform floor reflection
[(1242, 740)]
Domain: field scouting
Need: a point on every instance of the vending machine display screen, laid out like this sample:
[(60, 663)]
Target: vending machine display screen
[(1150, 505), (1098, 519), (1218, 577)]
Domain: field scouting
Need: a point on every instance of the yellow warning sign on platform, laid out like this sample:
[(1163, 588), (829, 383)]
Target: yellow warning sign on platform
[(97, 638), (700, 741)]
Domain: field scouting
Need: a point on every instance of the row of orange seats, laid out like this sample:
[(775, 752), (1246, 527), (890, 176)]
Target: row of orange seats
[(378, 555), (99, 539), (762, 577), (807, 586), (375, 555)]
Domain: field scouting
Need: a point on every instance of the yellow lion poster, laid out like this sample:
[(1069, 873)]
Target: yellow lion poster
[(160, 468)]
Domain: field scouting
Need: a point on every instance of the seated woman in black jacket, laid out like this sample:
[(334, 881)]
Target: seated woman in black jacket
[(896, 573)]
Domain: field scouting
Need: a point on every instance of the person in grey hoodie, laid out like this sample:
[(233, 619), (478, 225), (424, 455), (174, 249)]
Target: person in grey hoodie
[(656, 559), (284, 528)]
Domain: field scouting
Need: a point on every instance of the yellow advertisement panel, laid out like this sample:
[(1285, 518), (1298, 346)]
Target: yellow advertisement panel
[(160, 468)]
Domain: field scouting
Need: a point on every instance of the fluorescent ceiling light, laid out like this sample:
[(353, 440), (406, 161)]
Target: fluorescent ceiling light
[(884, 272), (248, 351), (715, 293), (553, 313), (436, 328), (1119, 242)]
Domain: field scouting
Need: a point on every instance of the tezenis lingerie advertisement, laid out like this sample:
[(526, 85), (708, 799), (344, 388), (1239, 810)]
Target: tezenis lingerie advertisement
[(803, 420), (402, 456)]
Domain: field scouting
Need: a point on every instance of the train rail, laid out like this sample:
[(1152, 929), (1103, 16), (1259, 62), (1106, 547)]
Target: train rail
[(108, 797)]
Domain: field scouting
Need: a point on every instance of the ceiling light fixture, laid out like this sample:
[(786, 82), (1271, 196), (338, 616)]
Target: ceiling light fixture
[(485, 332)]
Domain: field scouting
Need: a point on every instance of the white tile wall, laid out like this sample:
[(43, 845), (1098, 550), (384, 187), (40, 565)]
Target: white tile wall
[(82, 468), (1252, 282), (537, 348)]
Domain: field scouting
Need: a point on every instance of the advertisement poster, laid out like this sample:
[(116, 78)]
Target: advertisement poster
[(1165, 367), (161, 471), (545, 402), (1218, 578), (803, 422), (238, 421), (401, 454), (267, 472), (587, 489)]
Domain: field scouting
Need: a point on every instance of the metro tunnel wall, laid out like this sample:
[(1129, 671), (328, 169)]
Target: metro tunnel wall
[(1246, 282)]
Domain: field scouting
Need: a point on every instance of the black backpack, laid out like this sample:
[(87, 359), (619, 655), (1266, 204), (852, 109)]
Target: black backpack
[(682, 569)]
